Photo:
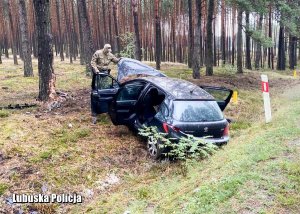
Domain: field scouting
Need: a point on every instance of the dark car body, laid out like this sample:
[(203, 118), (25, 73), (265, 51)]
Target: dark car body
[(176, 107)]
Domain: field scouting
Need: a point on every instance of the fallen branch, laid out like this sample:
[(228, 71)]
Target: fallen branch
[(18, 106)]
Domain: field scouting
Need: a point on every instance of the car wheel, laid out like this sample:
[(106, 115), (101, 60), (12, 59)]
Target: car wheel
[(153, 147)]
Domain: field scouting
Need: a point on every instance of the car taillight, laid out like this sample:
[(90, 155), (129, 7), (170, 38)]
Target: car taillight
[(167, 126), (176, 129), (226, 131)]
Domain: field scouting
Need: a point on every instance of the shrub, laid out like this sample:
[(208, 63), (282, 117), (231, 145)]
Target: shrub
[(187, 148)]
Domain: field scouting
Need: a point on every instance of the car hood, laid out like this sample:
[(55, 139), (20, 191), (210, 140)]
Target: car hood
[(128, 67)]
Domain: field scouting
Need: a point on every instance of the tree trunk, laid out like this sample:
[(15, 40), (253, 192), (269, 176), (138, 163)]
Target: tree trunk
[(239, 57), (191, 34), (233, 36), (281, 50), (28, 72), (74, 34), (173, 38), (82, 60), (197, 42), (292, 51), (109, 24), (116, 26), (2, 33), (60, 41), (88, 46), (270, 49), (258, 44), (209, 39), (104, 21), (138, 50), (69, 31), (248, 47), (6, 47), (157, 35), (45, 52), (13, 31), (223, 36), (0, 54)]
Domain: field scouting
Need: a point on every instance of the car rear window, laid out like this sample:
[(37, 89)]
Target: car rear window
[(197, 111)]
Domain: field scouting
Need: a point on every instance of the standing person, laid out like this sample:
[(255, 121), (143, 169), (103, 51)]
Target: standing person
[(100, 61), (102, 58)]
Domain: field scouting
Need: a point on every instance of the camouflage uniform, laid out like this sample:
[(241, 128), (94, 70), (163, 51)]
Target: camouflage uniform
[(102, 58), (100, 61)]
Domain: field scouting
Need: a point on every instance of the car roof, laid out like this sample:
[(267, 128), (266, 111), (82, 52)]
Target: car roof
[(178, 88)]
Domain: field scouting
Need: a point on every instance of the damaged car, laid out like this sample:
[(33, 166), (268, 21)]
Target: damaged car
[(175, 106)]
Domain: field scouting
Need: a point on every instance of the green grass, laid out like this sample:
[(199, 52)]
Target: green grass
[(4, 113), (61, 139), (3, 188)]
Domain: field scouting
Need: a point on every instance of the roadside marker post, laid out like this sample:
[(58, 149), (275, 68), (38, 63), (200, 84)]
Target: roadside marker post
[(266, 96), (295, 73), (235, 97)]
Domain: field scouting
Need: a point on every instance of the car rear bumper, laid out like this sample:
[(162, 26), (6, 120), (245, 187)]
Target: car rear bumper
[(217, 141)]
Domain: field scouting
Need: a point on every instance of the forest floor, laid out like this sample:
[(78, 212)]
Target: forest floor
[(60, 151)]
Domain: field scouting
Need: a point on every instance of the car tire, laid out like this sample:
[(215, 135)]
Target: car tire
[(153, 148)]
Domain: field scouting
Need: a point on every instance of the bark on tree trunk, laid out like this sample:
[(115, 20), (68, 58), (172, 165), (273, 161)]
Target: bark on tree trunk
[(14, 40), (270, 49), (116, 26), (45, 52), (157, 35), (28, 72), (0, 53), (223, 36), (292, 51), (109, 25), (258, 45), (82, 60), (281, 50), (233, 36), (1, 34), (88, 46), (239, 57), (197, 42), (6, 47), (104, 21), (60, 43), (209, 39), (191, 34), (138, 50), (69, 32), (248, 47)]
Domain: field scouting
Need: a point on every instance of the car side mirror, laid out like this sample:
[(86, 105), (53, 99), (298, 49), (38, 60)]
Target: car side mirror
[(229, 120)]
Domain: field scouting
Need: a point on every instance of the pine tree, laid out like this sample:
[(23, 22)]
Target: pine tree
[(28, 72), (45, 52)]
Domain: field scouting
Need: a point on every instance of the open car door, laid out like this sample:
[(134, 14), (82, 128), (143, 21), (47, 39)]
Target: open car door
[(221, 94), (123, 108), (104, 88)]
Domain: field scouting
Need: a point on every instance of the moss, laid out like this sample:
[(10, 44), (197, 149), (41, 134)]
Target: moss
[(3, 188), (4, 113)]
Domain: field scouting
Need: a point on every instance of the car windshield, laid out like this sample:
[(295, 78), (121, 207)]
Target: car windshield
[(197, 111)]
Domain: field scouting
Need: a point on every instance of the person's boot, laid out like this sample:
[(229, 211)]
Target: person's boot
[(94, 120)]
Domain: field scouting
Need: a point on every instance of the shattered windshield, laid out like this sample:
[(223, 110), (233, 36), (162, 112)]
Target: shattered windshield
[(130, 67)]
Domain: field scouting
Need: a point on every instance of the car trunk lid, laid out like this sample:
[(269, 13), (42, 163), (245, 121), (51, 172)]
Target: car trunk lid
[(213, 129)]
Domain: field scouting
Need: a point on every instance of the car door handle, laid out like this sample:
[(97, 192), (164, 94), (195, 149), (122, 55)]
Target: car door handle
[(123, 111)]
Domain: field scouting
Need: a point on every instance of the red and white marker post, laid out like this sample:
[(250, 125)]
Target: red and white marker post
[(266, 96)]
